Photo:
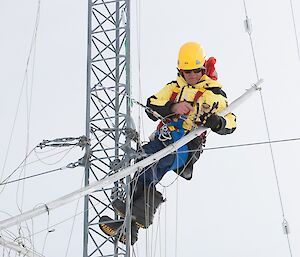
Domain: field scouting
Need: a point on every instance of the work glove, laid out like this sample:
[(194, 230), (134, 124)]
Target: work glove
[(212, 121), (208, 117)]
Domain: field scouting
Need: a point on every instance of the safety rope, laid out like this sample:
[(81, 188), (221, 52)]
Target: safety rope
[(74, 218), (158, 232), (284, 222), (166, 236), (176, 217), (152, 228), (148, 243), (134, 101)]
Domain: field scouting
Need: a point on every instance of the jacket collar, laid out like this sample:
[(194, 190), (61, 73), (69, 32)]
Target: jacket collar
[(205, 82)]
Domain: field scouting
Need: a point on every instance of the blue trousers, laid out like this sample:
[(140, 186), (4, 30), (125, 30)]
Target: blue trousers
[(152, 174)]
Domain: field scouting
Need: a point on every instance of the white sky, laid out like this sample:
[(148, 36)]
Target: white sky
[(231, 207)]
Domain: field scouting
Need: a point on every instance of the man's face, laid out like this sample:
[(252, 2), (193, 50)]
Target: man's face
[(192, 77)]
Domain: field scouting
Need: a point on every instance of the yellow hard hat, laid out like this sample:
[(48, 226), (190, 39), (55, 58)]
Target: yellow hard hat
[(191, 56)]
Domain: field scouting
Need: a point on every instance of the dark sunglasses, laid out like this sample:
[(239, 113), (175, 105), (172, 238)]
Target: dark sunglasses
[(194, 70)]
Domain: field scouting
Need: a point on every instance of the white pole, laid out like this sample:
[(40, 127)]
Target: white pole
[(123, 173), (242, 98), (19, 249)]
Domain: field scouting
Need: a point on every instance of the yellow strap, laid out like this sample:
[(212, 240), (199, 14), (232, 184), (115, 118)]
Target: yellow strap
[(171, 128)]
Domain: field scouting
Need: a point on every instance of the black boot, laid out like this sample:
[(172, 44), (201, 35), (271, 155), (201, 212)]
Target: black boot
[(135, 193), (145, 207), (145, 203), (115, 228)]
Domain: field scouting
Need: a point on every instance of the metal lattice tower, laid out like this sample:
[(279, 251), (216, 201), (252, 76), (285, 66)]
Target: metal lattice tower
[(107, 115)]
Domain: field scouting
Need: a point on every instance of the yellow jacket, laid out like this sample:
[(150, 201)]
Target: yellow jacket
[(211, 92)]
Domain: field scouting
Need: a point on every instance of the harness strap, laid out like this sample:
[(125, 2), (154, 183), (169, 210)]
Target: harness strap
[(174, 94), (198, 95), (177, 90)]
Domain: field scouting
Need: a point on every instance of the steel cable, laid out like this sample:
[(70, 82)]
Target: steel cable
[(267, 129)]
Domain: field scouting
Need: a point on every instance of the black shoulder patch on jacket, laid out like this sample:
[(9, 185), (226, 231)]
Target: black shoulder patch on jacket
[(217, 91), (162, 110), (174, 81)]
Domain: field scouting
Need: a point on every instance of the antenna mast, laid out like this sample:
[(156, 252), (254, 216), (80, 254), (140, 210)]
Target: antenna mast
[(107, 117)]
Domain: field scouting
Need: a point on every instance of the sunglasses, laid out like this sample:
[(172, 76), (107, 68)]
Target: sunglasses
[(194, 70)]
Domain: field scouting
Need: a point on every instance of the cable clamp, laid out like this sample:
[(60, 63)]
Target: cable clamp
[(285, 227), (164, 133), (248, 25), (73, 165), (84, 141)]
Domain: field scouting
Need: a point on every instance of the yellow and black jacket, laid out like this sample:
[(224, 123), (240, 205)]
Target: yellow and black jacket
[(205, 93)]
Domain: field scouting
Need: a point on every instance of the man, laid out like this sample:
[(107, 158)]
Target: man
[(193, 100)]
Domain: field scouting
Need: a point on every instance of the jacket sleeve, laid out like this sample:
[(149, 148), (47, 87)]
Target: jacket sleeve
[(228, 122), (160, 102)]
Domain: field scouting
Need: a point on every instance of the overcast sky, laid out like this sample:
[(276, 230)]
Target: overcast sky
[(231, 207)]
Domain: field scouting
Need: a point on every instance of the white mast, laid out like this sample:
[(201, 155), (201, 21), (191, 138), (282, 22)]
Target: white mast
[(123, 173)]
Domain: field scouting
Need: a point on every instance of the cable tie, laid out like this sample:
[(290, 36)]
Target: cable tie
[(47, 209)]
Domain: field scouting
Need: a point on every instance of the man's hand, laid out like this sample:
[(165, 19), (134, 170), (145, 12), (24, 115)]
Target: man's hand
[(182, 108), (212, 121)]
